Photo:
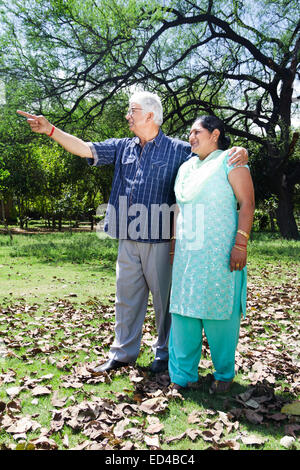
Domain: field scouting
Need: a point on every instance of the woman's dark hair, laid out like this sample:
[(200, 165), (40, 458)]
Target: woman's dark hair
[(211, 123)]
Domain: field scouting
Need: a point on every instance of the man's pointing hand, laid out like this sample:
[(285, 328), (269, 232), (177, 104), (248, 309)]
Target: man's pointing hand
[(37, 123)]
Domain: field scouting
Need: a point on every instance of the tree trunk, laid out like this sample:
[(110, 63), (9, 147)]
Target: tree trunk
[(281, 181), (272, 216), (4, 220), (20, 210), (92, 222), (284, 213)]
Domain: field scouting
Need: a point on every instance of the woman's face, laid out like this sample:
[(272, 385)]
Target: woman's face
[(202, 141)]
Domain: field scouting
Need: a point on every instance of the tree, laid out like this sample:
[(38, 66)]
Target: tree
[(235, 59), (4, 174)]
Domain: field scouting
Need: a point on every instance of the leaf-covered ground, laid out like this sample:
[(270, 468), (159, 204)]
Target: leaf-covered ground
[(50, 399)]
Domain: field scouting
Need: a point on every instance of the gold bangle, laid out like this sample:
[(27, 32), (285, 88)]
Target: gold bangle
[(238, 248), (243, 233), (171, 252), (173, 238)]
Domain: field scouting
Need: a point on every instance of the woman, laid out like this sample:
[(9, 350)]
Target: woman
[(209, 268)]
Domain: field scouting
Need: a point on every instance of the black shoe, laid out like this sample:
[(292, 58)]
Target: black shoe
[(158, 366), (111, 364)]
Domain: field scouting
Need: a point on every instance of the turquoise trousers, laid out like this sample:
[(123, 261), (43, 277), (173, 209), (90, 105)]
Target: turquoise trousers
[(185, 345)]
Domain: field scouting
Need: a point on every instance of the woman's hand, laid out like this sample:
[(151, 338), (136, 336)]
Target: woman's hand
[(239, 156), (238, 259)]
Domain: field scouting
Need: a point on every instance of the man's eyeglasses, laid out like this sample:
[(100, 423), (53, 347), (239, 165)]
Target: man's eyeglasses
[(131, 111)]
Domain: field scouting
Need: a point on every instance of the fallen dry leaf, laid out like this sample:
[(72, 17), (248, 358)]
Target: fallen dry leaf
[(152, 442), (154, 428), (40, 390), (58, 402), (119, 429), (44, 443), (154, 405), (195, 417), (22, 425), (175, 438), (253, 440), (193, 434), (12, 392)]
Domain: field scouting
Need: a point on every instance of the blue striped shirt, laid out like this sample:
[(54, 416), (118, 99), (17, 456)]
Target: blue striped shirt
[(142, 198)]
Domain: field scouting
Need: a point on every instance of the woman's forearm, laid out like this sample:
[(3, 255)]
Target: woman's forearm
[(245, 221), (242, 185)]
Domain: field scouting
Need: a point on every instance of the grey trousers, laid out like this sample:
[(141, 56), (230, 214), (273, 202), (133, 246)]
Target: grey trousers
[(141, 267)]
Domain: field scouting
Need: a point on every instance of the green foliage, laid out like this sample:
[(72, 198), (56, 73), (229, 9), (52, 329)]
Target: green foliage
[(4, 174), (76, 62)]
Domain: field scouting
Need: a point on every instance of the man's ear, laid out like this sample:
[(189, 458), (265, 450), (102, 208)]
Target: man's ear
[(150, 116)]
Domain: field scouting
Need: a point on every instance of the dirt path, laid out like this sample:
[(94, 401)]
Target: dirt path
[(42, 230)]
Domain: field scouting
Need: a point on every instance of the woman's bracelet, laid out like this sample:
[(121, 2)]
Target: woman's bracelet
[(171, 252), (239, 248), (243, 233)]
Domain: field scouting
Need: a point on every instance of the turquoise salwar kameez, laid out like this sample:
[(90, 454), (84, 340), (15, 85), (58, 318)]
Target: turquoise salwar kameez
[(205, 294)]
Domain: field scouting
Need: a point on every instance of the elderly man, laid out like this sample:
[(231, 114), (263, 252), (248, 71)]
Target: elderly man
[(139, 215)]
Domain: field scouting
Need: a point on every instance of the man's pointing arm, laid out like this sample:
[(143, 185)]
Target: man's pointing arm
[(69, 142)]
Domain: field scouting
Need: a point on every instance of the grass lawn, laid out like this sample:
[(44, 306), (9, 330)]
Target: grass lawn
[(56, 319), (50, 266)]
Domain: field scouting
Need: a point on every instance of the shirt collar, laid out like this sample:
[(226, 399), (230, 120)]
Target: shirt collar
[(157, 140), (134, 141)]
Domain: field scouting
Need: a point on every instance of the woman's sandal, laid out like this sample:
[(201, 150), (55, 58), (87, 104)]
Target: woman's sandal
[(177, 387), (218, 386)]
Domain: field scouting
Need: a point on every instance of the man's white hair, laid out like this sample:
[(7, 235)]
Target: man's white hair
[(150, 102)]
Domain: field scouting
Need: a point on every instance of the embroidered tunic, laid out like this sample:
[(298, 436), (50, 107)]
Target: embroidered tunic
[(202, 284)]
